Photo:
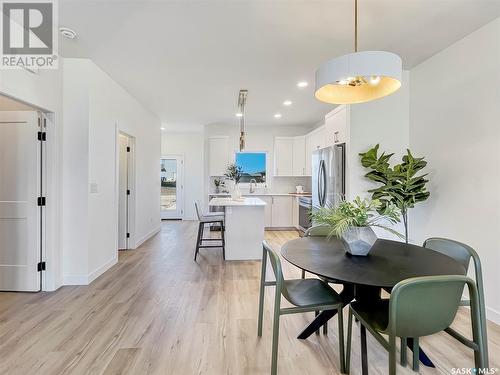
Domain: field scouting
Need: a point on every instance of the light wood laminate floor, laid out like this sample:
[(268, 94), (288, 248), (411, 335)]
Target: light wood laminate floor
[(158, 312)]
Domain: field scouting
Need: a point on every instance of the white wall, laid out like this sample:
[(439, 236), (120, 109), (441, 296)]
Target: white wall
[(95, 109), (190, 146), (454, 122), (384, 121)]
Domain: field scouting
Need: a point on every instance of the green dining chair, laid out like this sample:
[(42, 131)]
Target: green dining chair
[(306, 295), (463, 253), (319, 231), (417, 307)]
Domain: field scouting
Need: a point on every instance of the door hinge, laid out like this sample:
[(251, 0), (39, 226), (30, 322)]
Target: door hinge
[(41, 201), (42, 136), (40, 266), (128, 148), (128, 192), (128, 235)]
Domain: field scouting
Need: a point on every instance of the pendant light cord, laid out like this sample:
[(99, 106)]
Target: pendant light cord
[(355, 25)]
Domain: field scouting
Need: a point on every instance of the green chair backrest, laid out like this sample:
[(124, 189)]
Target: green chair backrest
[(276, 264), (275, 261), (454, 249), (425, 305), (318, 231)]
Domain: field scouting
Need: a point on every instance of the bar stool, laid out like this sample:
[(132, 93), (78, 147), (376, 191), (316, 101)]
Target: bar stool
[(209, 218)]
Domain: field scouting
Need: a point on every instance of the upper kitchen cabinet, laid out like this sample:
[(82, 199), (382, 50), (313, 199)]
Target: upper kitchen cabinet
[(290, 156), (283, 156), (299, 156), (218, 155), (314, 141), (336, 123)]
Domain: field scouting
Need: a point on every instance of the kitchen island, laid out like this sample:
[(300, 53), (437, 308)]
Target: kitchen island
[(244, 224)]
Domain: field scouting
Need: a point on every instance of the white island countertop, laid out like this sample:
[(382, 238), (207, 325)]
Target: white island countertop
[(243, 202)]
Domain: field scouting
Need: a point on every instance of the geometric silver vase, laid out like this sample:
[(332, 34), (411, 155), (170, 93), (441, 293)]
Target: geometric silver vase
[(359, 240)]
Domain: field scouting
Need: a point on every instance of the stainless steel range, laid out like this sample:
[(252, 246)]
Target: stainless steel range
[(305, 205)]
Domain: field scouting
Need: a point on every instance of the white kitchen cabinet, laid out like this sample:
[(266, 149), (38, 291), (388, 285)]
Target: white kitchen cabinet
[(218, 155), (336, 125), (295, 212), (283, 156), (299, 156), (268, 223), (314, 141), (282, 211)]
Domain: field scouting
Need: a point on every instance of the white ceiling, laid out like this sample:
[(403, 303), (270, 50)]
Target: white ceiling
[(186, 60)]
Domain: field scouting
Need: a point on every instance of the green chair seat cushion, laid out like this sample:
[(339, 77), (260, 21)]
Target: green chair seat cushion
[(310, 292), (376, 314)]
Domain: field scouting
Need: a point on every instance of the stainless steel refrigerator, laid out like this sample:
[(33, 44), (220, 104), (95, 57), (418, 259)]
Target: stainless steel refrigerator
[(328, 175)]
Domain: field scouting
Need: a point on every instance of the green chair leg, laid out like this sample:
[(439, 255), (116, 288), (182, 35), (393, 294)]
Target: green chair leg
[(261, 295), (392, 355), (403, 351), (348, 345), (480, 355), (276, 332), (416, 354), (341, 341)]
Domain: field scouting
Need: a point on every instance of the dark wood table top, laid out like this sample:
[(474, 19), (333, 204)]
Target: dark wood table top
[(388, 262)]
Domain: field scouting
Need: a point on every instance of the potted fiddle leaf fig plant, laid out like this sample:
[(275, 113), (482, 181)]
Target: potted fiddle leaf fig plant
[(233, 172), (400, 185), (352, 222)]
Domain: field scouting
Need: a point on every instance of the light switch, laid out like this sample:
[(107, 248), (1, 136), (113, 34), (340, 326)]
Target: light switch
[(93, 188)]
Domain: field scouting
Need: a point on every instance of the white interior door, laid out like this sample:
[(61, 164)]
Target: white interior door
[(123, 191), (172, 187), (20, 188)]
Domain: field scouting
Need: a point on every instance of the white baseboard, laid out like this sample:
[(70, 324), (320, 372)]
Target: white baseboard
[(87, 279), (493, 315), (100, 270), (147, 237), (75, 280)]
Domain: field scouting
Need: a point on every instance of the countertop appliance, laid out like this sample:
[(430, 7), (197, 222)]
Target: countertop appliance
[(328, 175), (305, 205)]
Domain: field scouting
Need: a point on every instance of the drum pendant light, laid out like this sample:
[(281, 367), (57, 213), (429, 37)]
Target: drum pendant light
[(360, 76)]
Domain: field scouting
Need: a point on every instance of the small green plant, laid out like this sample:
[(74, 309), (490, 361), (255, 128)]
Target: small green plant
[(233, 172), (217, 182), (358, 213), (399, 185)]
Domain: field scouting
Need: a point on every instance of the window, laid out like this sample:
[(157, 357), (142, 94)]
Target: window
[(253, 165)]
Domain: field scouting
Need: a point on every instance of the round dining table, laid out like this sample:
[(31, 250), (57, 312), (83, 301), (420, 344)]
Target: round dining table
[(363, 277)]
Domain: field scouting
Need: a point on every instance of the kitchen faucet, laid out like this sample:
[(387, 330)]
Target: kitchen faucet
[(253, 184)]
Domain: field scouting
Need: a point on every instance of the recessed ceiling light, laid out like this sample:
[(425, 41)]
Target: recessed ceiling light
[(287, 102), (67, 32), (277, 115), (302, 84), (162, 128), (239, 114)]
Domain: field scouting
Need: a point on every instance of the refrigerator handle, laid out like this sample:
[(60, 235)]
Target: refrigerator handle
[(320, 199), (323, 190)]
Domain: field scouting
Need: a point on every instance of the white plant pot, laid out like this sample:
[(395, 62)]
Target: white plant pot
[(359, 240), (236, 193)]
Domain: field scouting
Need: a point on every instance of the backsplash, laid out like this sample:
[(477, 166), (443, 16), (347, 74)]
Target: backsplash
[(278, 185)]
